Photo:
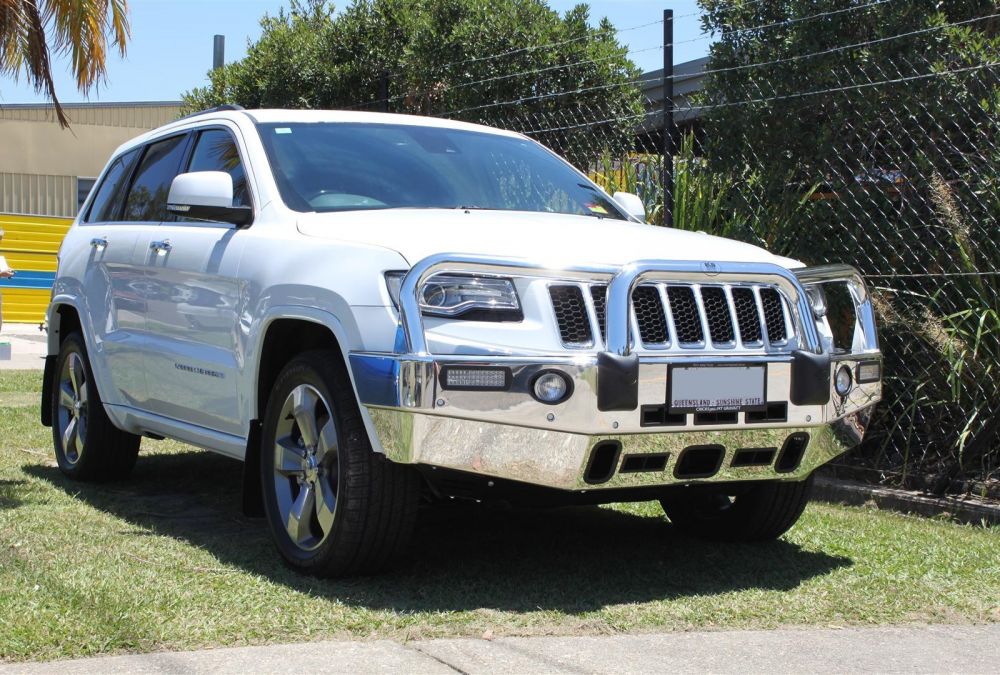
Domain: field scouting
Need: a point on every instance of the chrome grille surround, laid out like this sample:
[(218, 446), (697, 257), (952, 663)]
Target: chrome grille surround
[(670, 316)]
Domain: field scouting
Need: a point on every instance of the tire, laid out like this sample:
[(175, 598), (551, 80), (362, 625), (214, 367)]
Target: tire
[(88, 446), (762, 513), (335, 507)]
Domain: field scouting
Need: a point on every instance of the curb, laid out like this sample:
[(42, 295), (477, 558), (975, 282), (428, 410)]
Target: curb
[(856, 494)]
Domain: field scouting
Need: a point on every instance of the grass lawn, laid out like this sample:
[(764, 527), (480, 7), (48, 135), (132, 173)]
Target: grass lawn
[(167, 561)]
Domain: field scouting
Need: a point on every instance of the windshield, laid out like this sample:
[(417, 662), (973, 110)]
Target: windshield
[(333, 166)]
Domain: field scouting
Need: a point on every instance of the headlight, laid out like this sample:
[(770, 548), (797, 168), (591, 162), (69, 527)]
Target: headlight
[(817, 300), (470, 298)]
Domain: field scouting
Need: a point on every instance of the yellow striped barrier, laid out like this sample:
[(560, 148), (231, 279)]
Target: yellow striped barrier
[(30, 245)]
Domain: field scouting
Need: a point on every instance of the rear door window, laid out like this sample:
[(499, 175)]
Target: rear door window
[(216, 150), (107, 201), (147, 198)]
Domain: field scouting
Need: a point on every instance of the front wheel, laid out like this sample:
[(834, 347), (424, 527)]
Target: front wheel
[(334, 506), (760, 513), (88, 446)]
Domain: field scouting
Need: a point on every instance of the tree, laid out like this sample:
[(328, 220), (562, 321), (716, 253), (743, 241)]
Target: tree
[(511, 63), (31, 29), (886, 116)]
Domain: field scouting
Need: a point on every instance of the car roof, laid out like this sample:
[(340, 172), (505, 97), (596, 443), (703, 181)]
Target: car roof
[(275, 115)]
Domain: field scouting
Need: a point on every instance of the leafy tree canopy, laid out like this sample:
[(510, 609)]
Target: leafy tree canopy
[(31, 29), (511, 63)]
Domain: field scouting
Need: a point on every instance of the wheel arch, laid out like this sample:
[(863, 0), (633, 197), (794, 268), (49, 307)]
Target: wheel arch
[(283, 334)]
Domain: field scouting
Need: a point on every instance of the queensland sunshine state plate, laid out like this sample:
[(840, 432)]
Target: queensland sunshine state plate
[(701, 388)]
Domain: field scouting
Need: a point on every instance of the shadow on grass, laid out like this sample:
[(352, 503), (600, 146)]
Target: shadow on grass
[(463, 557), (9, 493)]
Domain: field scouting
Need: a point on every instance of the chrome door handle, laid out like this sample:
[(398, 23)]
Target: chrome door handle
[(160, 246), (100, 243)]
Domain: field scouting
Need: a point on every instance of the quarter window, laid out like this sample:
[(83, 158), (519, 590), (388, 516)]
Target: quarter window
[(216, 151), (147, 200), (107, 202)]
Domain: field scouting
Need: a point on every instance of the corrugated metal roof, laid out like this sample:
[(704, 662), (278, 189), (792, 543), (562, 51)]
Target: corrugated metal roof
[(139, 115)]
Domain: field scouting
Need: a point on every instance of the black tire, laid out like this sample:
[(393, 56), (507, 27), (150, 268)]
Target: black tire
[(761, 513), (94, 449), (374, 501)]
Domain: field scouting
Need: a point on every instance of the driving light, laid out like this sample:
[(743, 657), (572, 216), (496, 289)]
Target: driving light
[(817, 300), (467, 297), (869, 372), (551, 387), (844, 381), (474, 378)]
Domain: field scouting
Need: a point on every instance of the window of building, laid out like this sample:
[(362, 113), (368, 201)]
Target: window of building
[(83, 188)]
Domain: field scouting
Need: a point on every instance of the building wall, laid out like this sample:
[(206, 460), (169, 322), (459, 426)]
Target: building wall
[(41, 167), (40, 162)]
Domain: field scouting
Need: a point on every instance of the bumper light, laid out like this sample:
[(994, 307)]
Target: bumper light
[(551, 387), (475, 379), (844, 381), (869, 372)]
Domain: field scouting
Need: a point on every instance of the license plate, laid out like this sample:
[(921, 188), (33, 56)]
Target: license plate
[(707, 388)]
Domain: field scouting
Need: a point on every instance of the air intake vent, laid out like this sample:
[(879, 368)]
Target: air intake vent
[(600, 297), (571, 315), (649, 315), (774, 315), (720, 322), (747, 316), (685, 312)]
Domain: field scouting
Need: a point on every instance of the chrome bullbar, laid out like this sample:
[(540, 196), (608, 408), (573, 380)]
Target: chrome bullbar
[(618, 396)]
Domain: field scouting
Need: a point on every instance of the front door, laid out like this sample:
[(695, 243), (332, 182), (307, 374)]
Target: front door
[(193, 353)]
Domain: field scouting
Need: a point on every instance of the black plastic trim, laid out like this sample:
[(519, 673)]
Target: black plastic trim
[(595, 452), (690, 450), (792, 453), (617, 382), (810, 378), (47, 377)]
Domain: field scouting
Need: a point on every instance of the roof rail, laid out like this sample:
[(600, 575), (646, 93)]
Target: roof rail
[(218, 108)]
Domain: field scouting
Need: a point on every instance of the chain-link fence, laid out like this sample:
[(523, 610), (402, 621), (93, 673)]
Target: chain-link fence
[(858, 132)]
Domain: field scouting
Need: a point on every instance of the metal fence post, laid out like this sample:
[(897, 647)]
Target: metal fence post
[(667, 173)]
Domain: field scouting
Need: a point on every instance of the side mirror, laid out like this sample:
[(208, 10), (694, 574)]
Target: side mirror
[(207, 195), (632, 205)]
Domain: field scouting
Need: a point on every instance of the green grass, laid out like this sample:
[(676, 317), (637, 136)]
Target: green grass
[(167, 561)]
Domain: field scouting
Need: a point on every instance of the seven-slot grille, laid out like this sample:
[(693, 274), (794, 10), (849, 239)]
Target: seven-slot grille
[(691, 316)]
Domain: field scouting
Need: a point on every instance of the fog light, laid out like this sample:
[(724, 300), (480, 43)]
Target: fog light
[(475, 378), (844, 381), (869, 372), (551, 387)]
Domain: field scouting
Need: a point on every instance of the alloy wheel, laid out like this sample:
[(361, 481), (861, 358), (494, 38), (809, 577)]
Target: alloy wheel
[(306, 467), (73, 410)]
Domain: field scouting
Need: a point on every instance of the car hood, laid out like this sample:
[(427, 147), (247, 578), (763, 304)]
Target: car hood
[(555, 239)]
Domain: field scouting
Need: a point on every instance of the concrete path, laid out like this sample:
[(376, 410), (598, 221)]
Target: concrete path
[(916, 649), (27, 346)]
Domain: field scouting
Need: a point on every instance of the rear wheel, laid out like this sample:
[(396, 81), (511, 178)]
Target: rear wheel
[(87, 445), (334, 506), (760, 513)]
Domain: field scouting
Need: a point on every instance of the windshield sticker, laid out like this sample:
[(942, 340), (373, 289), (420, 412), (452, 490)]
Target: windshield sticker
[(597, 208), (282, 130)]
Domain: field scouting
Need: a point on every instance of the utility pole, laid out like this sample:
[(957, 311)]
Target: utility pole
[(668, 117), (219, 52)]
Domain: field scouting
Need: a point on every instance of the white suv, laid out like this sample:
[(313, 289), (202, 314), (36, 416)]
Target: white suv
[(367, 307)]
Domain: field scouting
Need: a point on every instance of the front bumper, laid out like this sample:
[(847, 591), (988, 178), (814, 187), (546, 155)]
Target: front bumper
[(612, 431)]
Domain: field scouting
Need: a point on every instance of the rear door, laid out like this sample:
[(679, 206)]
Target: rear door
[(113, 285), (193, 324)]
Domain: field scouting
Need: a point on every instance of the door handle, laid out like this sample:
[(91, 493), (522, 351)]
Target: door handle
[(161, 247), (100, 243)]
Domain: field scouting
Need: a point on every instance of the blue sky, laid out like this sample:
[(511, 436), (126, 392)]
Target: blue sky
[(171, 47)]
